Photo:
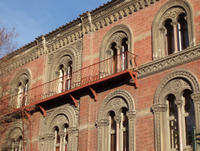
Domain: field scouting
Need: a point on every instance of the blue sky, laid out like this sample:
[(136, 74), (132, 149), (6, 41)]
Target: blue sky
[(32, 18)]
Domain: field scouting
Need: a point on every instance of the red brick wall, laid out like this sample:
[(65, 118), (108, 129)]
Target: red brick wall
[(140, 24)]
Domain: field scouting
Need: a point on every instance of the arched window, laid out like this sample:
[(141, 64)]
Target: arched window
[(15, 140), (116, 51), (22, 84), (60, 131), (118, 131), (172, 29), (17, 144), (64, 72), (61, 138), (174, 112), (115, 124), (176, 33)]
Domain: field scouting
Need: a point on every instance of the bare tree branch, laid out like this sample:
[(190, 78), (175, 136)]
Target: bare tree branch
[(7, 44)]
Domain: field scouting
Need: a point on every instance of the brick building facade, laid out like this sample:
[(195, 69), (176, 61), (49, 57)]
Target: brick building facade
[(123, 77)]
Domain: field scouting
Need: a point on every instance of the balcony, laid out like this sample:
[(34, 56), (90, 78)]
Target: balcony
[(87, 77)]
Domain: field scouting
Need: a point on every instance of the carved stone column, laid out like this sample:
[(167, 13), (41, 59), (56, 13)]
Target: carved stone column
[(101, 125), (174, 24), (196, 100), (131, 130), (118, 120), (162, 50), (158, 110), (62, 138), (179, 104)]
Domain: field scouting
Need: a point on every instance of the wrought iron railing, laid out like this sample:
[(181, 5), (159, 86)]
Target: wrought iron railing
[(79, 78)]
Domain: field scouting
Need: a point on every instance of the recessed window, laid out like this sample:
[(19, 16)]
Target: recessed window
[(22, 89), (64, 75), (172, 29)]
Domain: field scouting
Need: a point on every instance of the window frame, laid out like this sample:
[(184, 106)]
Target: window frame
[(158, 30)]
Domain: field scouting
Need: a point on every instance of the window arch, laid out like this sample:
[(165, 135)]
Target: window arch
[(64, 73), (20, 87), (116, 122), (172, 29), (15, 140), (60, 133), (176, 111), (115, 48), (61, 68)]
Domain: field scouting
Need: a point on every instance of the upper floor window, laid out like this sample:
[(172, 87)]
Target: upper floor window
[(114, 55), (21, 85), (64, 72), (175, 34), (22, 93), (172, 29)]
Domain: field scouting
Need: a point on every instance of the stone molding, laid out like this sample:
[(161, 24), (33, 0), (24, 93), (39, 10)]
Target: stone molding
[(187, 75), (157, 108), (173, 60)]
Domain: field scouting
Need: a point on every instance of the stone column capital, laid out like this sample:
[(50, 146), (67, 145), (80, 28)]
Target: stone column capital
[(102, 122), (179, 103), (196, 97), (131, 114), (117, 119), (158, 108)]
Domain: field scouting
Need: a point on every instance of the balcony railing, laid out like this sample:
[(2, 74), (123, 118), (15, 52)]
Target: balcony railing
[(77, 79)]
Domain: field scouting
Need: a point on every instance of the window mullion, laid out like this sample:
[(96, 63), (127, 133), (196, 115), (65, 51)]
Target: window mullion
[(175, 37)]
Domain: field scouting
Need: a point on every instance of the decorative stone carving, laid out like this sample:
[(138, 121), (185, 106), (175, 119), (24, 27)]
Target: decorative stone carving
[(58, 117), (173, 13), (196, 97), (102, 122), (115, 101), (159, 108), (131, 115), (171, 10), (174, 83), (191, 54)]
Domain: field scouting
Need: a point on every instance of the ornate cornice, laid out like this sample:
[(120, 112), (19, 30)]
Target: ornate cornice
[(185, 56), (112, 12)]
